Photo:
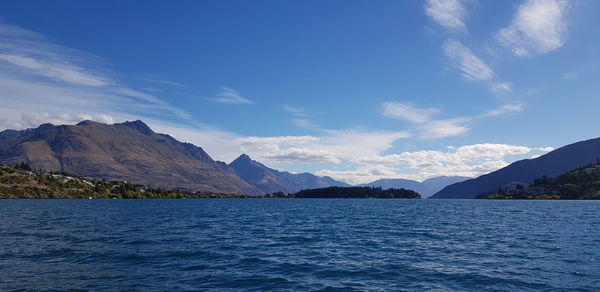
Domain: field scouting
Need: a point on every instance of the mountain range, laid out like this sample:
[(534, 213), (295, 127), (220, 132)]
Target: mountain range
[(525, 171), (426, 188), (270, 180), (128, 151), (131, 151)]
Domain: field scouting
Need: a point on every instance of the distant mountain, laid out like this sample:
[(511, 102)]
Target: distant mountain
[(525, 171), (128, 151), (426, 188), (270, 180)]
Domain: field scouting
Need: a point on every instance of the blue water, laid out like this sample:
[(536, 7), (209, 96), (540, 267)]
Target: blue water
[(299, 244)]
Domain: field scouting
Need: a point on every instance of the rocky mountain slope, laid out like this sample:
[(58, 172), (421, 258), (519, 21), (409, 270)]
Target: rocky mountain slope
[(270, 180), (128, 151)]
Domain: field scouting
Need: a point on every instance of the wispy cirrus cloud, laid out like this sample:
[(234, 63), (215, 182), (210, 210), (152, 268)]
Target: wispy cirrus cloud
[(43, 80), (230, 96), (472, 67), (502, 110), (302, 155), (162, 81), (408, 112), (294, 111), (450, 14), (538, 27), (305, 123), (429, 128)]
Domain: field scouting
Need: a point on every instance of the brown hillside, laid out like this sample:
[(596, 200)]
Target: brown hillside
[(129, 151)]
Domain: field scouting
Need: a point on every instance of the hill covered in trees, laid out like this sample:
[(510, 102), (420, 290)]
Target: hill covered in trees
[(22, 182), (580, 184), (357, 192)]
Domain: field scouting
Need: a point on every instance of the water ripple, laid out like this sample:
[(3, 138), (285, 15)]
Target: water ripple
[(299, 245)]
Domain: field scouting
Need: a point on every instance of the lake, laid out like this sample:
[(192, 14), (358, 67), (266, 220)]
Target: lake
[(299, 245)]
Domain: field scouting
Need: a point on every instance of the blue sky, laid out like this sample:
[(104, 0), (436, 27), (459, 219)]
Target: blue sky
[(358, 90)]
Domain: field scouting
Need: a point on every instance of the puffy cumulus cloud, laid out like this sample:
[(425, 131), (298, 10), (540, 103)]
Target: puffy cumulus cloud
[(539, 27), (450, 14), (230, 96), (468, 160), (494, 151), (407, 112)]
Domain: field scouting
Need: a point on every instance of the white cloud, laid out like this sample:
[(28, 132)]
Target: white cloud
[(546, 149), (448, 13), (271, 144), (539, 27), (162, 81), (502, 110), (304, 123), (228, 95), (469, 160), (444, 128), (219, 144), (294, 111), (42, 80), (50, 69), (501, 87), (353, 143), (333, 146), (470, 65), (428, 128), (302, 155), (408, 113), (34, 119), (360, 175)]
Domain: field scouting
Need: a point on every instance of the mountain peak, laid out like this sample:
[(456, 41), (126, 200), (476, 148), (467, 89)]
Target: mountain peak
[(244, 157), (121, 152), (86, 123), (139, 126)]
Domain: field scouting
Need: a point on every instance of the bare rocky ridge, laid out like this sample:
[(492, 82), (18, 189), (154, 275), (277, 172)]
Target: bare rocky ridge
[(128, 151)]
